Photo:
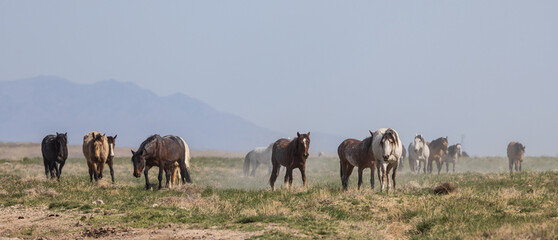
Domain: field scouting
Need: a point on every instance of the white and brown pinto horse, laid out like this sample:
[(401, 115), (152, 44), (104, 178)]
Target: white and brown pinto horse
[(356, 153), (291, 154), (161, 152), (418, 154), (387, 148)]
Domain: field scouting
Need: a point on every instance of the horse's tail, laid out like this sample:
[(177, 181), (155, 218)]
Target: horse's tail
[(247, 163), (186, 153)]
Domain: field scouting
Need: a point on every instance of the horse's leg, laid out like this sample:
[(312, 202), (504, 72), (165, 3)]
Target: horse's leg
[(167, 177), (274, 174), (60, 169), (520, 163), (372, 178), (453, 166), (359, 177), (303, 175), (447, 166), (429, 167), (145, 173), (341, 170), (254, 166), (393, 176), (389, 168), (439, 164), (111, 170), (160, 176), (46, 167), (510, 163), (288, 176), (348, 171)]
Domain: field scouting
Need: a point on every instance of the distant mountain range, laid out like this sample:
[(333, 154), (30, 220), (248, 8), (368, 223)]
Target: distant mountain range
[(32, 108)]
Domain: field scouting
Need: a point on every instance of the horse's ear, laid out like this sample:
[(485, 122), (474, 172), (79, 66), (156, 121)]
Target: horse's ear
[(66, 134), (132, 152), (416, 134), (297, 134), (308, 134), (57, 133), (115, 136), (371, 133)]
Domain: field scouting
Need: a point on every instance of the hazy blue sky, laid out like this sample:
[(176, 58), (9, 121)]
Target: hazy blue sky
[(484, 69)]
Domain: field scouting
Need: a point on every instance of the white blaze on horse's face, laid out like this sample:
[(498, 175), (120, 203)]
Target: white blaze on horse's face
[(387, 149), (305, 142), (112, 150)]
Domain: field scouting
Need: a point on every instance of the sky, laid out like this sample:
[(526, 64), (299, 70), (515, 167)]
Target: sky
[(480, 72)]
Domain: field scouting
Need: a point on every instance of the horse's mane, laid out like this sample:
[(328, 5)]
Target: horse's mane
[(148, 140), (367, 142), (420, 137), (392, 134), (452, 149)]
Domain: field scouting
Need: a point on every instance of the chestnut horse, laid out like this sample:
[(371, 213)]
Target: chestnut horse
[(96, 151), (516, 152), (356, 153), (157, 151), (387, 148), (291, 154), (438, 148), (55, 152)]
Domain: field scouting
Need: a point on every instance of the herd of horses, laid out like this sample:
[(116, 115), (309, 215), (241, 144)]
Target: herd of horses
[(382, 151)]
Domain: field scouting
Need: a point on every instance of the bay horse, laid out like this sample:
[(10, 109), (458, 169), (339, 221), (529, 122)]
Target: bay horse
[(454, 152), (418, 154), (438, 148), (356, 153), (256, 157), (112, 144), (157, 151), (387, 149), (96, 151), (291, 154), (55, 152), (516, 152), (173, 170)]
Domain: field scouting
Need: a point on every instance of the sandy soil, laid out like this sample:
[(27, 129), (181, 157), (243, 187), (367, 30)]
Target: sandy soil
[(58, 225)]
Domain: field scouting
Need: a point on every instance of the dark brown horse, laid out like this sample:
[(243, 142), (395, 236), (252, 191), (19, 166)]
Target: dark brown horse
[(438, 148), (516, 152), (291, 154), (355, 153), (55, 153), (157, 151)]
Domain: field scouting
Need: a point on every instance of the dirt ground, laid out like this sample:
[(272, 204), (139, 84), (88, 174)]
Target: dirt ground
[(19, 220)]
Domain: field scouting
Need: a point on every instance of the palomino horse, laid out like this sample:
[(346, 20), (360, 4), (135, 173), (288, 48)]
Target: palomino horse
[(172, 171), (516, 151), (55, 153), (291, 154), (454, 152), (157, 151), (256, 157), (96, 150), (437, 148), (418, 154), (355, 153), (401, 160), (387, 150)]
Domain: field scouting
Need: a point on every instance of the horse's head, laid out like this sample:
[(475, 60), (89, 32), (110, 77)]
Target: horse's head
[(459, 149), (520, 148), (61, 142), (419, 143), (388, 143), (138, 160), (112, 143), (303, 142)]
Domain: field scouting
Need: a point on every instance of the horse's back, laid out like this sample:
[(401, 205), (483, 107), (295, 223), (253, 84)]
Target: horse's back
[(348, 151), (279, 148), (46, 147), (513, 152)]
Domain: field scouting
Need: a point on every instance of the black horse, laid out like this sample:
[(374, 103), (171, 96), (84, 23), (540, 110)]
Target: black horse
[(55, 153)]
